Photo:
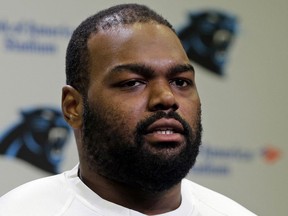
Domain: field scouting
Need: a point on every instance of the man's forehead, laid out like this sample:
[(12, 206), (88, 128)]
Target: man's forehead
[(146, 32), (145, 43), (112, 28)]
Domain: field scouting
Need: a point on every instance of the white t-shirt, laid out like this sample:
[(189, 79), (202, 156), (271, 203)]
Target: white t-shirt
[(66, 195)]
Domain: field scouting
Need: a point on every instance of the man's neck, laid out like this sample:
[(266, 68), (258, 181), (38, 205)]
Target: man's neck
[(145, 202)]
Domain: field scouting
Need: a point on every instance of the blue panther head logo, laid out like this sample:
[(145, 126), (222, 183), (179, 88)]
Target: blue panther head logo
[(207, 38), (39, 138)]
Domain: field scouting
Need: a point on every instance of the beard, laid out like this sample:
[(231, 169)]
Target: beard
[(119, 154)]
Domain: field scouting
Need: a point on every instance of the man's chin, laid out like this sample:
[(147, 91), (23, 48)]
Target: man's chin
[(164, 150), (149, 169)]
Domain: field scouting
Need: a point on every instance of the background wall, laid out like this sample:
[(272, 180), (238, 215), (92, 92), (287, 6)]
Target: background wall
[(245, 113)]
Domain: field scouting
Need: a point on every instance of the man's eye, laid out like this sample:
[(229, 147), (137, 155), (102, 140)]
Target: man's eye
[(181, 82), (131, 83)]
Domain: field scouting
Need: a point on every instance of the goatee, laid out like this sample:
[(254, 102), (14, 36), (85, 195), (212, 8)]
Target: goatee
[(117, 153)]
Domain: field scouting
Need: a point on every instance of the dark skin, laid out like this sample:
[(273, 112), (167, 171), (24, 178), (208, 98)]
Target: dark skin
[(140, 69)]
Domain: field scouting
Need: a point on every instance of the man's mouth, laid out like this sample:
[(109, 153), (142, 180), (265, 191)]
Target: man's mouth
[(165, 126), (165, 130)]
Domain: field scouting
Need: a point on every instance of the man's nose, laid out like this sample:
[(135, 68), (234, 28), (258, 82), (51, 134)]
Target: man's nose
[(162, 97)]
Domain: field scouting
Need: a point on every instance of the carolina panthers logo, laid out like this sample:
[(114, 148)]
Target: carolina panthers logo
[(38, 138), (207, 37)]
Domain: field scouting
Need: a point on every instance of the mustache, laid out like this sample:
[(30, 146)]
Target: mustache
[(143, 125)]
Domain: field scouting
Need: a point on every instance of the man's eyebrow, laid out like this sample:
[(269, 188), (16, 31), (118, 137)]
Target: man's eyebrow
[(139, 69), (147, 71), (181, 68)]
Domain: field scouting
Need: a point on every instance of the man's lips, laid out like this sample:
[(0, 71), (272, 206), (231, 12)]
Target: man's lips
[(165, 124), (165, 130)]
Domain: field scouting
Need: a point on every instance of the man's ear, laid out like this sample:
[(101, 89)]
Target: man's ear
[(72, 106)]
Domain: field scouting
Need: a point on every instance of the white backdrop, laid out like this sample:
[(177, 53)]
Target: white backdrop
[(244, 114)]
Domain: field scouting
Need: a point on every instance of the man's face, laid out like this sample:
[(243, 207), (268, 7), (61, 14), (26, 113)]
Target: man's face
[(142, 123)]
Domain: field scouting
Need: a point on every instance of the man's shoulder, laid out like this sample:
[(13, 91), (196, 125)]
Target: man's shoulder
[(211, 201), (42, 195)]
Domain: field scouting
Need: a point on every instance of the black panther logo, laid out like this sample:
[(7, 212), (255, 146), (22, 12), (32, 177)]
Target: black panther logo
[(39, 138), (207, 37)]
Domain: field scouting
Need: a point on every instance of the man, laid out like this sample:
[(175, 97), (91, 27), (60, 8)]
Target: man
[(132, 101)]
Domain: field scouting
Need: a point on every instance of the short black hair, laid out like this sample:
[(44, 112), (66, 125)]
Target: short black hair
[(77, 55)]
